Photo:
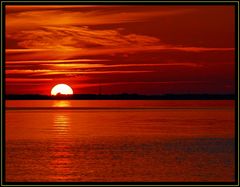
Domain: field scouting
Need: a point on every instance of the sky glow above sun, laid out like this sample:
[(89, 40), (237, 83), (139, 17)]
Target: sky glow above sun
[(122, 49)]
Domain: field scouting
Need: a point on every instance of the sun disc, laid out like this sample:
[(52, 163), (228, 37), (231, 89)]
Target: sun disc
[(63, 89)]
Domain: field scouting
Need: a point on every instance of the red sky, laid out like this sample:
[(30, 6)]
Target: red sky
[(125, 49)]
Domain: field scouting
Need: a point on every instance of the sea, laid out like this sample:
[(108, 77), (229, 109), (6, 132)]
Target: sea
[(120, 141)]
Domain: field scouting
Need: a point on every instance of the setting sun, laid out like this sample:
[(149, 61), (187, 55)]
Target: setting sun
[(61, 89)]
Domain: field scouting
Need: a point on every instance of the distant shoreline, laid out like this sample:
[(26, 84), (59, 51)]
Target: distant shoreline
[(123, 97)]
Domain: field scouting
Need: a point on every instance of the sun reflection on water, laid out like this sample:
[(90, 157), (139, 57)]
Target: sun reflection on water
[(62, 103), (61, 154), (61, 125)]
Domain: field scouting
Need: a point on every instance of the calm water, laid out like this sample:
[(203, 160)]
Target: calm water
[(120, 141)]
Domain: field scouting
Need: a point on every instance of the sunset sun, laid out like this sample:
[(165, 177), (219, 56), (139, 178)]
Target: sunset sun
[(61, 89)]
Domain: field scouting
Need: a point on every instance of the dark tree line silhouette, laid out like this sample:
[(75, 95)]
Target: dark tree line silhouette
[(123, 96)]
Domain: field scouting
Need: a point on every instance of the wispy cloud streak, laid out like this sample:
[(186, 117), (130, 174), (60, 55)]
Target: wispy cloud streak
[(109, 15)]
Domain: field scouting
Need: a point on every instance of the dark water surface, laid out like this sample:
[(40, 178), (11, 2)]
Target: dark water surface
[(119, 141)]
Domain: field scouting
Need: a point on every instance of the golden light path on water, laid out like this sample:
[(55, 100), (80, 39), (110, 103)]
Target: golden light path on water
[(62, 103), (61, 155)]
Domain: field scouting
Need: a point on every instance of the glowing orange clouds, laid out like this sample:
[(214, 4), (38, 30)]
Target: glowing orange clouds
[(144, 46)]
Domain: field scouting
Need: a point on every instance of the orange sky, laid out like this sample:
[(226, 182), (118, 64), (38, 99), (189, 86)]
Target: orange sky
[(125, 49)]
